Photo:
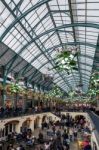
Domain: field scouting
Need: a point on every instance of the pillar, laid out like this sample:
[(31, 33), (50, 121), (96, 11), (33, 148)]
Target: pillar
[(32, 124), (26, 97), (40, 122), (33, 94), (4, 132), (16, 94), (8, 128), (18, 126), (4, 75), (13, 127)]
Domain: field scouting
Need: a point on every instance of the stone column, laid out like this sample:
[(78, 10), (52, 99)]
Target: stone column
[(32, 124), (25, 97), (4, 132), (13, 129), (8, 128), (18, 126), (4, 74), (40, 122)]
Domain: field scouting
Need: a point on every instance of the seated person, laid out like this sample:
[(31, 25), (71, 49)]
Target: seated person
[(47, 146), (58, 133), (65, 135), (29, 142), (34, 139), (19, 137), (20, 147)]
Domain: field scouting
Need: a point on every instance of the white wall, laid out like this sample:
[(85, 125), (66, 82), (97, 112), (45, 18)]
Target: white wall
[(32, 118), (22, 119)]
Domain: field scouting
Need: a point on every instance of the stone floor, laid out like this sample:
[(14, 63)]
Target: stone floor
[(73, 145)]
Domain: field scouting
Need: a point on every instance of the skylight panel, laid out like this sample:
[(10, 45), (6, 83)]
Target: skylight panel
[(25, 6)]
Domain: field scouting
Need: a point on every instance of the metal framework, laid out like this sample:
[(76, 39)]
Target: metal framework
[(32, 31)]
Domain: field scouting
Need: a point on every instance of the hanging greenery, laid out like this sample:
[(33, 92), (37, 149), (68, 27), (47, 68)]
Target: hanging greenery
[(94, 80), (16, 88), (55, 92), (91, 92), (65, 61), (94, 85), (91, 101), (72, 94)]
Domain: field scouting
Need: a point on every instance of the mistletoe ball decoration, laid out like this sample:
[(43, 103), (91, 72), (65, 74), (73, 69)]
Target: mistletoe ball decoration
[(65, 61)]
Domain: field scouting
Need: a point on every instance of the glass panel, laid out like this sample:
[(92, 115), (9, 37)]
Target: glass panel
[(38, 23)]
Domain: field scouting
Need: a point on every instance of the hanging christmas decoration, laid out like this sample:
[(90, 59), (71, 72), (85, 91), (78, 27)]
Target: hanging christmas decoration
[(55, 92), (94, 85), (15, 88), (72, 94), (94, 82), (66, 60)]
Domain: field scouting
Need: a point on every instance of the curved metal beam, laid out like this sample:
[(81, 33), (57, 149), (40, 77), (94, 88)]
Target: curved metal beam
[(91, 25), (83, 79), (61, 84), (69, 43), (27, 65), (47, 15), (75, 77), (67, 77), (74, 80), (53, 59), (22, 16), (73, 43)]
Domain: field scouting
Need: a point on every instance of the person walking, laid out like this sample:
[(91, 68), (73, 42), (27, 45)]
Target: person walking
[(75, 133), (71, 134)]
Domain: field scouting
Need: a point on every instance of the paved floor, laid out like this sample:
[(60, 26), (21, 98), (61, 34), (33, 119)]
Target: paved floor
[(73, 145)]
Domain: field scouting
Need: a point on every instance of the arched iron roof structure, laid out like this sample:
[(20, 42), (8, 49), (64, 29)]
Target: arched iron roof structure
[(32, 30)]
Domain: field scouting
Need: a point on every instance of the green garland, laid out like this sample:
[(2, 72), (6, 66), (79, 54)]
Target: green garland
[(16, 88), (55, 92), (94, 85), (95, 80), (72, 94), (65, 61)]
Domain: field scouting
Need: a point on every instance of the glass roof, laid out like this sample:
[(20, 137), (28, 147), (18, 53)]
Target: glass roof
[(35, 29)]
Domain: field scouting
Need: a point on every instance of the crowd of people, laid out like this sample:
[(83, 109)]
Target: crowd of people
[(60, 133), (17, 111), (10, 112), (53, 135)]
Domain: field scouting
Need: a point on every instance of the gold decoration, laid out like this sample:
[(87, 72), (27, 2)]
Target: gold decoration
[(8, 89), (21, 94), (1, 87), (29, 94)]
